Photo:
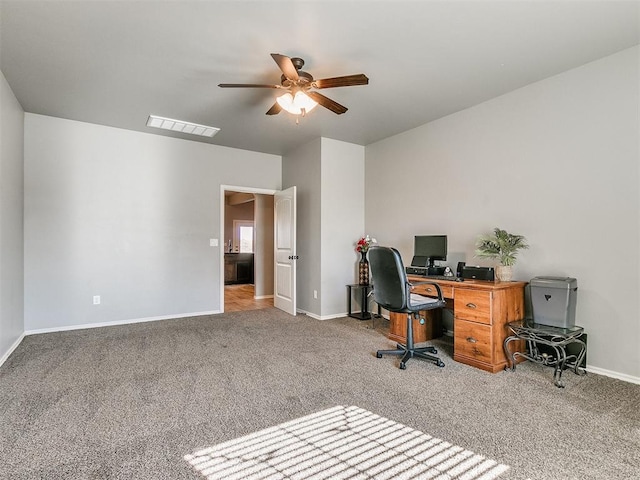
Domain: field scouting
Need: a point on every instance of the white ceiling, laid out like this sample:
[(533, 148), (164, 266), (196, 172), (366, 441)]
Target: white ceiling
[(114, 63)]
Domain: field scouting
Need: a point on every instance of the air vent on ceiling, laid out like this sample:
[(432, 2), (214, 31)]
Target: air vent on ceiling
[(181, 126)]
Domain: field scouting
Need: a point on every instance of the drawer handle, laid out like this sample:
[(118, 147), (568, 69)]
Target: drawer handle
[(472, 305), (471, 340), (429, 289)]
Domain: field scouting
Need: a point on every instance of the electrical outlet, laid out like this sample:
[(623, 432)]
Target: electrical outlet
[(213, 242), (96, 299), (315, 294)]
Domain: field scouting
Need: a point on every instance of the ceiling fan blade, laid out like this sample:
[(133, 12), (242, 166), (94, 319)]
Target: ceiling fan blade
[(346, 81), (275, 109), (287, 67), (326, 102), (247, 85)]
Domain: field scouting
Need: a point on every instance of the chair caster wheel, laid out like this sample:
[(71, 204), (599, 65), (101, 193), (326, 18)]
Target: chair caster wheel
[(440, 363), (378, 355), (402, 366)]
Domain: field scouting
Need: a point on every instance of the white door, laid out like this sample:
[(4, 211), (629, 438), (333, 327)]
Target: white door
[(285, 250)]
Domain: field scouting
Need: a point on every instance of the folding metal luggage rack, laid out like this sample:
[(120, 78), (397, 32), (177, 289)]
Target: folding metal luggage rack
[(557, 338)]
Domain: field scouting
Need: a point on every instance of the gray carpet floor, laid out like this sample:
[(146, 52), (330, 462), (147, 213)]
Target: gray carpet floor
[(130, 402)]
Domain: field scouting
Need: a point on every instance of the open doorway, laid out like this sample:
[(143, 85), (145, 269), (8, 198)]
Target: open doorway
[(247, 248)]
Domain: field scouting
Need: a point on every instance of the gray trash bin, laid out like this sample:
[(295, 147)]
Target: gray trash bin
[(553, 300)]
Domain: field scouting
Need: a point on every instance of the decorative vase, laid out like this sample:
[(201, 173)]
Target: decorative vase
[(504, 273), (363, 270)]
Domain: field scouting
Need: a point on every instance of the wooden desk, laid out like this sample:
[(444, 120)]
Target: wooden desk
[(481, 312)]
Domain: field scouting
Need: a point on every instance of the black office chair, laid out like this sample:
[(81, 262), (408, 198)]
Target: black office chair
[(392, 291)]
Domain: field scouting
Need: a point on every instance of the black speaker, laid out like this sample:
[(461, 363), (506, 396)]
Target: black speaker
[(460, 268), (478, 273)]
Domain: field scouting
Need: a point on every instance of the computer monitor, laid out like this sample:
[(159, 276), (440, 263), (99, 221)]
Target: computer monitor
[(433, 247)]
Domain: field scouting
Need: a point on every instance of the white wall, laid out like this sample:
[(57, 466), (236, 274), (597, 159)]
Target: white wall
[(556, 161), (11, 220), (342, 219), (301, 168), (127, 216), (329, 176)]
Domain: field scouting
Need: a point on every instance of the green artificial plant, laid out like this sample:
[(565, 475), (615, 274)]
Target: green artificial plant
[(501, 245)]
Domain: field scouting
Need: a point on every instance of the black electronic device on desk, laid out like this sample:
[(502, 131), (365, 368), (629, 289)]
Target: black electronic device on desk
[(447, 274), (412, 270), (449, 278), (419, 266), (426, 250), (478, 273)]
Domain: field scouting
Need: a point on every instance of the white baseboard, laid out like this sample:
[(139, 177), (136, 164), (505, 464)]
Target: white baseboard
[(322, 317), (11, 349), (262, 297), (117, 322), (608, 373)]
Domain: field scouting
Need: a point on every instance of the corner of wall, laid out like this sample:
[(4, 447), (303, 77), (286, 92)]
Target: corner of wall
[(11, 220)]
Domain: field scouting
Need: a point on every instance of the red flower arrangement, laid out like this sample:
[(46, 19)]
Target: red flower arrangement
[(364, 243)]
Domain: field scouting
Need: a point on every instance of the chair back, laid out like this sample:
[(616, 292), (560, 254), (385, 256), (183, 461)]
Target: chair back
[(389, 279)]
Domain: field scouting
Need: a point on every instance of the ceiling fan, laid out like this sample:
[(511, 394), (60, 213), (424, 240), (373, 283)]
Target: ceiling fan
[(301, 97)]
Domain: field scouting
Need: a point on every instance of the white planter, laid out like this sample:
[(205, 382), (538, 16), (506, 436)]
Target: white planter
[(504, 273)]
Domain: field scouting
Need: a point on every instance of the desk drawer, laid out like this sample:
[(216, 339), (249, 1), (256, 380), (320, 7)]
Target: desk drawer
[(430, 290), (473, 305), (472, 340)]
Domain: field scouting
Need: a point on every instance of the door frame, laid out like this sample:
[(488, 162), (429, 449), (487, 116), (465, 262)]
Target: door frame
[(232, 188)]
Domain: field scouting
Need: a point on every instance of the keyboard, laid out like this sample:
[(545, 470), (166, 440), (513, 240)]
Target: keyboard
[(444, 277)]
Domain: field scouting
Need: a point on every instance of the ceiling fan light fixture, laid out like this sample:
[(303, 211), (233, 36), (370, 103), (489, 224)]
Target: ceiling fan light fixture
[(297, 104)]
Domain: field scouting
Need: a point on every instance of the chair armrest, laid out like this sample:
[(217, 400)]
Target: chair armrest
[(411, 285)]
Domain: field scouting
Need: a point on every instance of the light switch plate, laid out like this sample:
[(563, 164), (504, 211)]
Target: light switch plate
[(213, 242)]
